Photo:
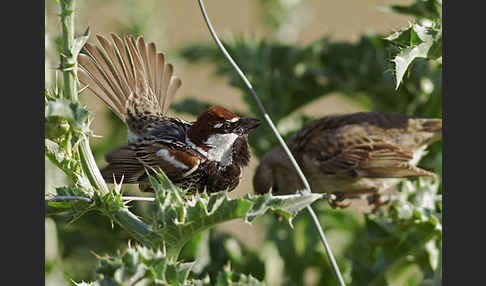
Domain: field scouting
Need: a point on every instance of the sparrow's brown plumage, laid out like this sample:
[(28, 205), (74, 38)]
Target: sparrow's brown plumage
[(351, 154), (136, 82)]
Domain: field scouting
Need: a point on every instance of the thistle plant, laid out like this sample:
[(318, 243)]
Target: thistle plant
[(170, 243), (178, 216)]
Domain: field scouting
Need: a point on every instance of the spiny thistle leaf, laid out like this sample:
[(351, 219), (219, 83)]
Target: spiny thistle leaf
[(53, 152), (73, 112), (179, 217), (288, 206), (76, 208), (415, 42), (420, 40), (60, 108), (141, 266), (79, 43), (230, 278)]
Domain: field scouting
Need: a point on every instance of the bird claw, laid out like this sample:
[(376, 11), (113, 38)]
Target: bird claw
[(377, 201), (339, 203)]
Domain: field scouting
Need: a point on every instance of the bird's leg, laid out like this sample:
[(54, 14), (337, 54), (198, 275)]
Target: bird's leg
[(377, 201), (338, 201), (341, 196)]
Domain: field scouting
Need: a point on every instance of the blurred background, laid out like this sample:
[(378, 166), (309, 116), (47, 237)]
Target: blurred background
[(306, 59)]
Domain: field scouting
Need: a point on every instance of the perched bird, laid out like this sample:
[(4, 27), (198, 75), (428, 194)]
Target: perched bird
[(350, 155), (134, 81)]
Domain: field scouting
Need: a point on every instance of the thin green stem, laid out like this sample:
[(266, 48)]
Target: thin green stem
[(90, 168), (133, 225), (68, 62)]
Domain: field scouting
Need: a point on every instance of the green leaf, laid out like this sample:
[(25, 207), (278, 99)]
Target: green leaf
[(60, 108), (141, 266), (415, 42), (73, 112), (53, 151), (179, 216), (400, 37), (230, 278), (288, 206), (79, 43), (76, 208), (430, 9)]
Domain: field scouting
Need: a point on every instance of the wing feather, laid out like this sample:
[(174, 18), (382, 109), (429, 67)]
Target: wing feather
[(130, 77), (152, 63), (351, 151), (106, 69), (96, 82), (130, 161), (122, 53), (117, 65)]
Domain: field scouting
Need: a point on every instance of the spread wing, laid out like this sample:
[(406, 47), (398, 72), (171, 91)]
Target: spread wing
[(131, 161), (351, 151), (130, 76)]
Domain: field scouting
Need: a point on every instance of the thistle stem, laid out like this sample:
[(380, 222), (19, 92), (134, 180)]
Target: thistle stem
[(127, 220), (132, 224), (90, 168), (68, 62)]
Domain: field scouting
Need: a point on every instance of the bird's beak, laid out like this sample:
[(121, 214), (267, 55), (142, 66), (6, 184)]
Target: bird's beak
[(247, 123)]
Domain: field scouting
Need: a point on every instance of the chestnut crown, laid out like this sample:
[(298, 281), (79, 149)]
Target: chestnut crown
[(219, 120)]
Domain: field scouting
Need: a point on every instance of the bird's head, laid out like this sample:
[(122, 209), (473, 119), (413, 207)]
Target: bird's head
[(216, 130)]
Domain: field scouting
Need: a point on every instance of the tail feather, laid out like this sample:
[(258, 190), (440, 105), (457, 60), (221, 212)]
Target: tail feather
[(174, 85), (142, 51), (90, 76), (168, 70), (160, 70), (122, 53), (107, 69), (139, 72), (152, 65), (101, 68), (130, 174), (129, 76), (114, 57)]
